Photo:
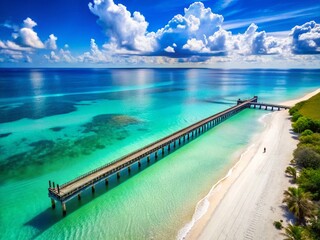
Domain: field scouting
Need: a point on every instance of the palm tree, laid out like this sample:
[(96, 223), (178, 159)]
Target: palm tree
[(291, 171), (293, 232), (299, 203)]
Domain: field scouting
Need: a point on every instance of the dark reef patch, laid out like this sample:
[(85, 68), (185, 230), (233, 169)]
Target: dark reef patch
[(36, 109), (47, 155), (56, 129), (45, 107), (143, 129), (82, 104), (42, 144), (3, 135), (100, 124)]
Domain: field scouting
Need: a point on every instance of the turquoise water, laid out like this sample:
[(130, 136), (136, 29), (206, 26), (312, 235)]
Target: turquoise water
[(56, 124)]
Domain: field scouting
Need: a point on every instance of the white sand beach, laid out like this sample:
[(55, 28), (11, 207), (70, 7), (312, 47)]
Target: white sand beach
[(245, 204)]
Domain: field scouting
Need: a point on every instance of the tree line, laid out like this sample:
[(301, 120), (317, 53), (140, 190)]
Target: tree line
[(303, 198)]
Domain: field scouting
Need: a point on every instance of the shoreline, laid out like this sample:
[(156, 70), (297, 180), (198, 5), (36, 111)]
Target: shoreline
[(208, 224)]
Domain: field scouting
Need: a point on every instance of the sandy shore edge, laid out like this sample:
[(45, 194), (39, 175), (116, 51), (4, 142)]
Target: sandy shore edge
[(218, 222)]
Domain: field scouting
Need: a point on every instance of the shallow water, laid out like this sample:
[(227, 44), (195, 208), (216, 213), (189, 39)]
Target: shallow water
[(56, 124)]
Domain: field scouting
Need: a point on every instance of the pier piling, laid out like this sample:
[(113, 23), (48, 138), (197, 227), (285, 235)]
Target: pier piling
[(64, 209), (53, 203)]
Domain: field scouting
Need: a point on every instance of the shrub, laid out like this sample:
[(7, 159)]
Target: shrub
[(310, 138), (311, 141), (315, 148), (292, 172), (314, 125), (315, 226), (278, 225), (309, 181), (301, 124), (296, 116), (296, 108), (306, 132), (293, 110), (294, 232), (305, 157)]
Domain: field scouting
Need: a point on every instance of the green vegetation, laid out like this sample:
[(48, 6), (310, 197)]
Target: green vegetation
[(306, 115), (303, 201), (311, 141), (278, 225), (306, 157), (292, 172), (299, 203), (309, 181), (309, 108), (293, 232)]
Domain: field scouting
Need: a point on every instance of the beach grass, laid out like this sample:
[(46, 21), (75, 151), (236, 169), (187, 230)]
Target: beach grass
[(308, 108)]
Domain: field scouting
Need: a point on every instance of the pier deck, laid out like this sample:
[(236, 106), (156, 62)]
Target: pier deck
[(267, 106)]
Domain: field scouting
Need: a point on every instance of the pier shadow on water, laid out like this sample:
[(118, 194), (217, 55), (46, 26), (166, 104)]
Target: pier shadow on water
[(50, 217)]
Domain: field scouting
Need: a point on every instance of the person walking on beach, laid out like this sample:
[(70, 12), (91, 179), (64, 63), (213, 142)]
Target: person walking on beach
[(264, 150)]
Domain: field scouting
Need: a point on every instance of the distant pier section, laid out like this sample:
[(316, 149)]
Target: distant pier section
[(65, 192), (265, 106)]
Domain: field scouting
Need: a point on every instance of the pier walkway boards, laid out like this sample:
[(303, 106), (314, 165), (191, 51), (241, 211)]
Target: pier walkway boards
[(74, 188)]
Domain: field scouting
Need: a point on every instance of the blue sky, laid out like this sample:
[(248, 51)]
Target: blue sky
[(133, 33)]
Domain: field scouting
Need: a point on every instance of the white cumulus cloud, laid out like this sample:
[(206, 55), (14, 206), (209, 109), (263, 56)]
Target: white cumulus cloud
[(52, 57), (95, 55), (126, 30), (51, 43), (169, 49), (27, 37), (190, 32), (25, 41), (306, 38), (29, 23), (195, 45), (253, 42)]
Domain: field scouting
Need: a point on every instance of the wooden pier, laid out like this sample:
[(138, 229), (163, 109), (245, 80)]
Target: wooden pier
[(65, 192), (265, 106)]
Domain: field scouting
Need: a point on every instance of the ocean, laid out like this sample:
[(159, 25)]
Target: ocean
[(56, 124)]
